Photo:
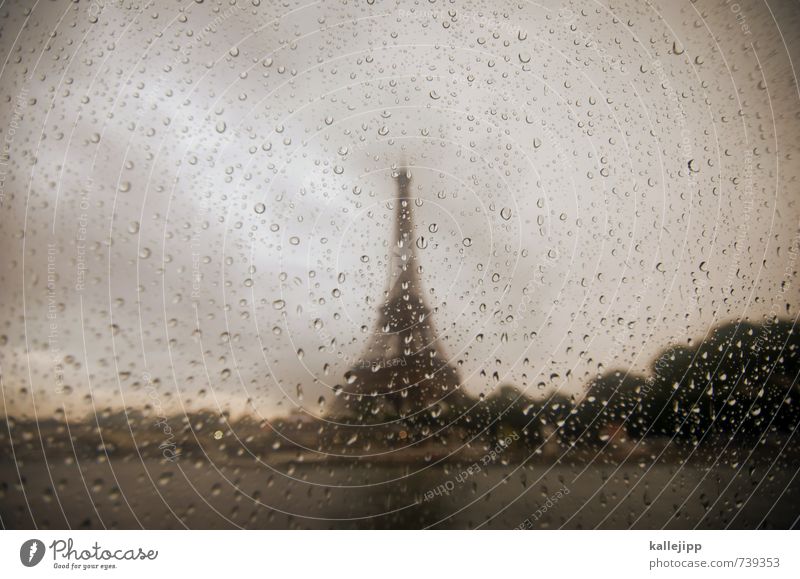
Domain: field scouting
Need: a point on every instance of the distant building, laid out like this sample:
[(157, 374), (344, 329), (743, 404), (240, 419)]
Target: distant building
[(403, 369)]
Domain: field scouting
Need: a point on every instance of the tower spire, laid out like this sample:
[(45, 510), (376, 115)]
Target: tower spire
[(402, 254)]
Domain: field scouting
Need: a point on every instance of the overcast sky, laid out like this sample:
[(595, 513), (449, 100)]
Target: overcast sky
[(196, 197)]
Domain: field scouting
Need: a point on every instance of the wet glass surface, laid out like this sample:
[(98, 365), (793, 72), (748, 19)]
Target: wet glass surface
[(399, 265)]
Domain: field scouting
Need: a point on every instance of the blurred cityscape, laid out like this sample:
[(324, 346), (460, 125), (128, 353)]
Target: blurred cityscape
[(713, 407)]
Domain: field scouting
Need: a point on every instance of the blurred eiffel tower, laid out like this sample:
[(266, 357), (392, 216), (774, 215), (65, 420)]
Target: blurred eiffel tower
[(403, 370)]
